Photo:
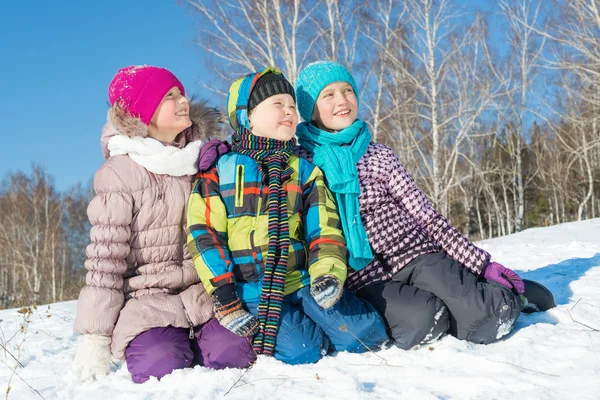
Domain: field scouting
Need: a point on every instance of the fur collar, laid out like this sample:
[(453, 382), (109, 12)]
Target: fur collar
[(155, 156), (207, 122)]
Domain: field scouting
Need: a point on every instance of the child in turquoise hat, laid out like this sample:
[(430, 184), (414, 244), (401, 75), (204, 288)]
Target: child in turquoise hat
[(407, 260)]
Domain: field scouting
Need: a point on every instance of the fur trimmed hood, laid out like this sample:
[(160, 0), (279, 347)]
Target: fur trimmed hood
[(207, 122)]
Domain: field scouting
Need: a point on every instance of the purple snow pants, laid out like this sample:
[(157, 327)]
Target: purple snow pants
[(159, 351)]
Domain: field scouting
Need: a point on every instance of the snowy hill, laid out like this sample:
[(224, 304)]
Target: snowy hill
[(548, 355)]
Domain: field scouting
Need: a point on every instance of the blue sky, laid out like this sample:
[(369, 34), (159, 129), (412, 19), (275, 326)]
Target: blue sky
[(57, 60)]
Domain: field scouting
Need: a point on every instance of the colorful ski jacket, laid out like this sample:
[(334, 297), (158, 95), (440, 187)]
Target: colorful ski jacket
[(228, 222)]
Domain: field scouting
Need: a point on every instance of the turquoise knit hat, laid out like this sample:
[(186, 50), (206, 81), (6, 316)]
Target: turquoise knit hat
[(313, 79)]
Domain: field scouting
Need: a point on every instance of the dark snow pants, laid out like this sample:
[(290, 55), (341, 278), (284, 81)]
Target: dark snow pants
[(433, 295)]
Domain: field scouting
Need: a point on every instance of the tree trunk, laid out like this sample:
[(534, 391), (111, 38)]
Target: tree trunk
[(479, 221), (507, 210), (590, 179), (433, 103), (557, 209), (520, 189)]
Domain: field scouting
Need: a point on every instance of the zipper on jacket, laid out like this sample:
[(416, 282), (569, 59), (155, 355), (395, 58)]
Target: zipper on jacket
[(161, 187), (191, 334), (239, 189)]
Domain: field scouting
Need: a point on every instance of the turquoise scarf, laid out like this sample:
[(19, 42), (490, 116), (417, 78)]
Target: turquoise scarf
[(337, 154)]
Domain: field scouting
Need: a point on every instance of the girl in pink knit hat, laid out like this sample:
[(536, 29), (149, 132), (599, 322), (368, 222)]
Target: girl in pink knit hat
[(143, 301)]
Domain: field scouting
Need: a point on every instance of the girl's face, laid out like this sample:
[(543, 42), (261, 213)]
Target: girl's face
[(171, 117), (336, 107), (275, 118)]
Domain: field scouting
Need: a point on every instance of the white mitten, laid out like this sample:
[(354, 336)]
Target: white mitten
[(92, 360)]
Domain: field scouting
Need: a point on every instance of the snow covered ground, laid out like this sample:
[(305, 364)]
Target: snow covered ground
[(547, 356)]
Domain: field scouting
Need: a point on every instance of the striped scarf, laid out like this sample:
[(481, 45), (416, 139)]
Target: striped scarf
[(273, 154)]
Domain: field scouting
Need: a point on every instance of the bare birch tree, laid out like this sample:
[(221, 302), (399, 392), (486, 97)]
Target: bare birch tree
[(39, 263), (527, 50)]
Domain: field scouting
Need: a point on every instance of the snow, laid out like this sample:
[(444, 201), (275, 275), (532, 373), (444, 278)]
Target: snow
[(547, 356)]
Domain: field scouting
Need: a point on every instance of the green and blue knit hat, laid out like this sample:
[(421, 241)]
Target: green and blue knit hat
[(313, 79)]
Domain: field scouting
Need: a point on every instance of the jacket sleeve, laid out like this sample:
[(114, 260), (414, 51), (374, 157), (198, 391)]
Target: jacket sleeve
[(190, 275), (207, 223), (402, 188), (327, 253), (110, 213)]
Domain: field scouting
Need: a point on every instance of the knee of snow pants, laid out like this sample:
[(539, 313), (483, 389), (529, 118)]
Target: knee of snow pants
[(480, 312), (217, 347), (299, 340), (352, 324), (503, 312), (158, 352), (412, 316)]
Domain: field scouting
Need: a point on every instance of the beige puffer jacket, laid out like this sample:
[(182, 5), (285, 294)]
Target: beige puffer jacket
[(140, 274)]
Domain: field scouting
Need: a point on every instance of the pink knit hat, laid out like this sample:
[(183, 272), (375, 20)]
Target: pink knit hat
[(140, 89)]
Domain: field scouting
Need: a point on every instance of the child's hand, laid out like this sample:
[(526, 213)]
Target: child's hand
[(504, 276), (326, 290), (231, 314), (92, 360), (210, 152)]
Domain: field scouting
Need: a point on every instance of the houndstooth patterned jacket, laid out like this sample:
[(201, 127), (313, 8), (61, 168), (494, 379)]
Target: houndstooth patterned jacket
[(400, 221)]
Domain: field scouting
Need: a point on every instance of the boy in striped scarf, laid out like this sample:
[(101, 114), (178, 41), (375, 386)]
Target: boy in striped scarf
[(266, 240)]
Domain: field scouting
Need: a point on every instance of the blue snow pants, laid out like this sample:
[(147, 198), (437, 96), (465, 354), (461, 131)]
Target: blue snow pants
[(307, 331)]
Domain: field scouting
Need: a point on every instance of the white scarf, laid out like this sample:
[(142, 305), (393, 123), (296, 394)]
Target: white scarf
[(155, 156)]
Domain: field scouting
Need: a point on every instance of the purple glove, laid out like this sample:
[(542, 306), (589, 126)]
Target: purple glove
[(504, 276), (210, 152)]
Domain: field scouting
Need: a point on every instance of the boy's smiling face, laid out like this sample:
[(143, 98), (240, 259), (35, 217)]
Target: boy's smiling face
[(171, 117), (275, 118), (336, 107)]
